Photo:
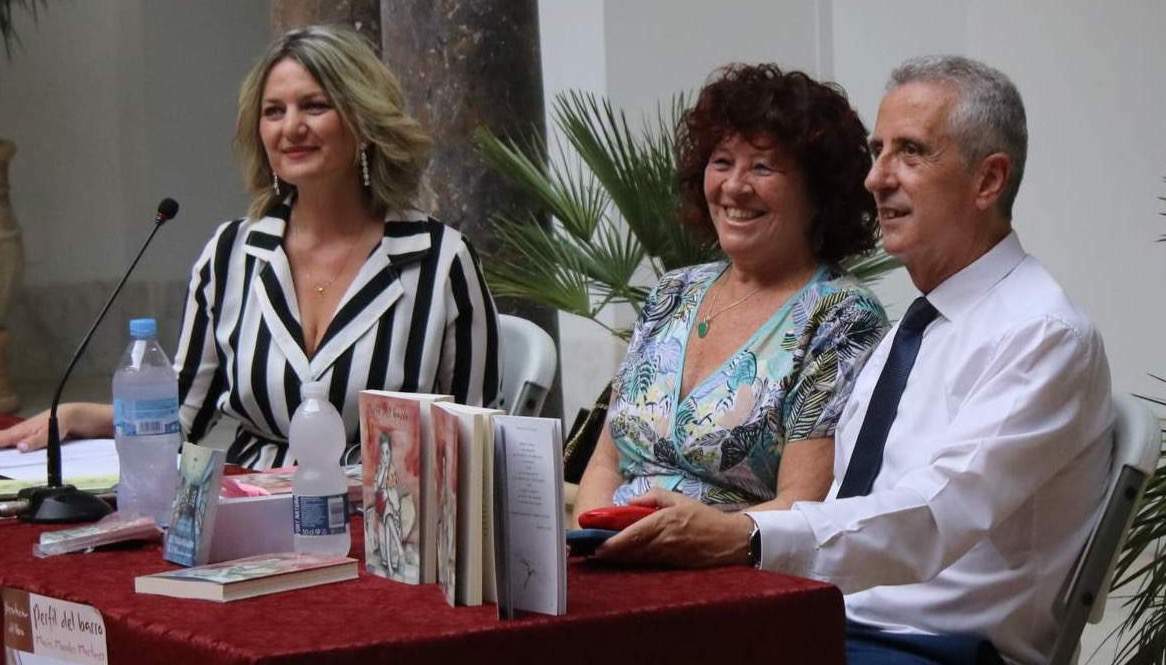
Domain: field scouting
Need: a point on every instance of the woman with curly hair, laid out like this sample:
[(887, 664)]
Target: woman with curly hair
[(737, 370)]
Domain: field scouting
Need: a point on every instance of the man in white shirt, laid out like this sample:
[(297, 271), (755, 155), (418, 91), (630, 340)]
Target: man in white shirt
[(963, 515)]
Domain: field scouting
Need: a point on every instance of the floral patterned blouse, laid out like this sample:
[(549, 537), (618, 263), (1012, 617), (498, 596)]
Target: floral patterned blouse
[(722, 443)]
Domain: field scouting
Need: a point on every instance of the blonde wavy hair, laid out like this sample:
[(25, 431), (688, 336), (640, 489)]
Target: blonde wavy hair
[(370, 102)]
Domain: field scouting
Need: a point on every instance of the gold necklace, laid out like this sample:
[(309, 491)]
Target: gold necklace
[(321, 289), (702, 327)]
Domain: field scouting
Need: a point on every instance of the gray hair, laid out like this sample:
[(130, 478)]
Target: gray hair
[(988, 116)]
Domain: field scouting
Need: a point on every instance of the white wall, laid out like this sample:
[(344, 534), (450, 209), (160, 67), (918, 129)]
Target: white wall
[(115, 105), (1090, 74)]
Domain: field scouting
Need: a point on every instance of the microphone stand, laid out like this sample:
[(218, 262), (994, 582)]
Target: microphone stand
[(59, 503)]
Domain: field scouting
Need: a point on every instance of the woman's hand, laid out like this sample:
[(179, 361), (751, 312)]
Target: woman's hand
[(74, 420), (683, 533)]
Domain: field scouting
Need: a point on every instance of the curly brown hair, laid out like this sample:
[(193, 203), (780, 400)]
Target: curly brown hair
[(813, 121)]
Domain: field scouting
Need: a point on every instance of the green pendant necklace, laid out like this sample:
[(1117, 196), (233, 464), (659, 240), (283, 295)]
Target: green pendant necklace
[(702, 327)]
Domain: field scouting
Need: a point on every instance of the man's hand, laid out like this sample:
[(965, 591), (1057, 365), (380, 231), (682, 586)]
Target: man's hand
[(29, 435), (683, 533)]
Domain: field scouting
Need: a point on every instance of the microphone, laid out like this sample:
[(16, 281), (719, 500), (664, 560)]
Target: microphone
[(56, 502)]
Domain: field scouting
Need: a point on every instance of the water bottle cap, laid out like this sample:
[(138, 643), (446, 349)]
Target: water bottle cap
[(317, 389), (142, 328)]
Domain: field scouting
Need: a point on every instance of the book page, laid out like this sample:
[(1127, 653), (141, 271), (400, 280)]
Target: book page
[(533, 520), (81, 458)]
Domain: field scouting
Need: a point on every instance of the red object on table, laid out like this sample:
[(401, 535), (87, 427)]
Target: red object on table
[(722, 615), (8, 420), (616, 518)]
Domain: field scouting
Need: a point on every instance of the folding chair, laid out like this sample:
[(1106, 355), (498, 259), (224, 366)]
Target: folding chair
[(528, 365), (1137, 445)]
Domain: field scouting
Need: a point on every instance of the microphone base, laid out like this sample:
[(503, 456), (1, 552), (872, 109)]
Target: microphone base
[(62, 505)]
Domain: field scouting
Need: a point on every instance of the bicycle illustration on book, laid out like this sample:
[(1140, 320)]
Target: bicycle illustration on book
[(393, 520)]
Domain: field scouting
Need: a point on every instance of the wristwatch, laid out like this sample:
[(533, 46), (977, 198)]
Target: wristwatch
[(754, 545)]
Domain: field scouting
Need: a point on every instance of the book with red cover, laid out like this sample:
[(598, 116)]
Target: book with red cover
[(445, 445), (400, 493)]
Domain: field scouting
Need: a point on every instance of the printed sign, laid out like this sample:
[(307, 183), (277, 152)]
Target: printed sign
[(39, 629)]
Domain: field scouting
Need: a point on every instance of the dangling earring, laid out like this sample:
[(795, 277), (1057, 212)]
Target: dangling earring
[(364, 165), (275, 183)]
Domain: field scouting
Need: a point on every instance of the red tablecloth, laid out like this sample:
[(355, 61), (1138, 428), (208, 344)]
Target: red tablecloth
[(726, 615)]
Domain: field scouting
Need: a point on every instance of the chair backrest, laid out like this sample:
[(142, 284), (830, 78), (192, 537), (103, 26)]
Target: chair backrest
[(528, 362), (1137, 446)]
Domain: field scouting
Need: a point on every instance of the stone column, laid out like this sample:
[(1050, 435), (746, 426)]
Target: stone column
[(11, 267), (465, 64), (362, 15)]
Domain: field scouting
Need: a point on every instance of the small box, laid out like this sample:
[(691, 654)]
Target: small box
[(251, 525)]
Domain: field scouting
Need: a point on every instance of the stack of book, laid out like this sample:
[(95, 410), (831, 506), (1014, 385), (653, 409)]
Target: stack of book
[(464, 496)]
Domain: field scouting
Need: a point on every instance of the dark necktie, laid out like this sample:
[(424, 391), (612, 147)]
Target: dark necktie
[(867, 458)]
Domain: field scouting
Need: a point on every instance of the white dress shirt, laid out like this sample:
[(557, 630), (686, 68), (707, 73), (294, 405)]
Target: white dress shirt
[(992, 474)]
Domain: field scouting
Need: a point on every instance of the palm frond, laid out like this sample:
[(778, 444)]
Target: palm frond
[(639, 173), (614, 255), (573, 200), (539, 267)]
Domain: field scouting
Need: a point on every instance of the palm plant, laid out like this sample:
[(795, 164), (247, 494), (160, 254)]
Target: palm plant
[(614, 211)]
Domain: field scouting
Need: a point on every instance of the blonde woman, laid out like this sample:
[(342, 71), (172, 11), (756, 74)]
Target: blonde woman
[(333, 275)]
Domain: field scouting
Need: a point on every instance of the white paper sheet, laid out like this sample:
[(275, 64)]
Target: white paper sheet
[(79, 458)]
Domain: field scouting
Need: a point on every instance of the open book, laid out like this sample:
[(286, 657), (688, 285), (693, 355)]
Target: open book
[(530, 559)]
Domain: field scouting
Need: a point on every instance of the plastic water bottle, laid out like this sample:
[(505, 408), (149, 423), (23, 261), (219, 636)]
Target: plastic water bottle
[(146, 429), (319, 487)]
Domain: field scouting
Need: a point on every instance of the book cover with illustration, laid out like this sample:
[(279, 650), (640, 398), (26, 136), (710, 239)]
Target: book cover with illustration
[(400, 491), (475, 502), (445, 446), (390, 454), (192, 518), (249, 577)]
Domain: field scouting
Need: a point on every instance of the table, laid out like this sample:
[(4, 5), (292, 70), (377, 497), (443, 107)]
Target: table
[(724, 615)]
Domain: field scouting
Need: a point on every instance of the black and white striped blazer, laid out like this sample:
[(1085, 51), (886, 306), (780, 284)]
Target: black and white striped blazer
[(417, 318)]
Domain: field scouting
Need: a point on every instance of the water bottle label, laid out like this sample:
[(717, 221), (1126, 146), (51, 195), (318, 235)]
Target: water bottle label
[(143, 417), (320, 515)]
